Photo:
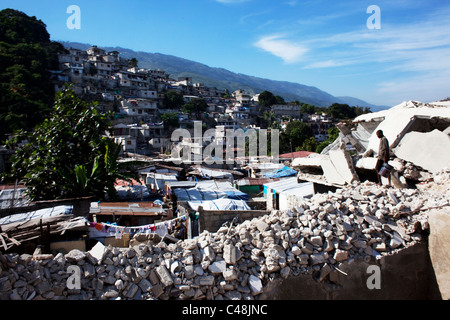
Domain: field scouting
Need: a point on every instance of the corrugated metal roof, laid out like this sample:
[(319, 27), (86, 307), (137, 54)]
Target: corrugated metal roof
[(296, 154)]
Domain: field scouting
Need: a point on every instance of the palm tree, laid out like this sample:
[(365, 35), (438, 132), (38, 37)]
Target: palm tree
[(133, 63)]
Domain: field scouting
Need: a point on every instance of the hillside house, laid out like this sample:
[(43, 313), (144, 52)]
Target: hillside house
[(286, 110), (241, 96)]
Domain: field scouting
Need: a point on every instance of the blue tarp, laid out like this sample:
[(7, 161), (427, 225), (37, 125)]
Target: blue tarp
[(210, 190), (283, 172)]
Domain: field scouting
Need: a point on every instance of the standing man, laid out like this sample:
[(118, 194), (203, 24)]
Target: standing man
[(383, 155)]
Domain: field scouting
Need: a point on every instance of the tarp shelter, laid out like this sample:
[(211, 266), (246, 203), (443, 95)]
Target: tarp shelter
[(41, 213), (220, 204), (283, 189), (283, 172), (198, 194), (282, 184), (156, 181), (214, 174), (223, 186), (39, 226), (209, 190)]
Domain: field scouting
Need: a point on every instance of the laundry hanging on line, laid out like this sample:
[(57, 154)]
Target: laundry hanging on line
[(161, 228)]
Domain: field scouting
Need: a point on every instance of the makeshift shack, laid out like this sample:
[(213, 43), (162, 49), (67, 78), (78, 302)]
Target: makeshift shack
[(51, 228), (278, 193), (124, 214)]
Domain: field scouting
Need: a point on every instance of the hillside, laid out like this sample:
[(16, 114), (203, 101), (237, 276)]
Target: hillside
[(224, 79)]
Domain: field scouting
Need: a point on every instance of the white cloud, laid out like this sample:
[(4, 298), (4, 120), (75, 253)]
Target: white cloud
[(326, 64), (289, 51), (422, 47)]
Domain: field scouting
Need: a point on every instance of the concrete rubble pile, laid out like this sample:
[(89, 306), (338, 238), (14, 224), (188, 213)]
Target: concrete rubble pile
[(361, 221)]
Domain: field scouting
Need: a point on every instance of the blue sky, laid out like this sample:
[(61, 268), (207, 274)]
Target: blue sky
[(321, 43)]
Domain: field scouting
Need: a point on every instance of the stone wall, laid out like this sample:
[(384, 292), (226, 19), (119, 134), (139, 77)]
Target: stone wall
[(212, 220)]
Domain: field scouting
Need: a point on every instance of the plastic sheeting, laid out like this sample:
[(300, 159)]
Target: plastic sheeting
[(210, 190), (283, 172), (214, 174), (198, 194), (41, 213)]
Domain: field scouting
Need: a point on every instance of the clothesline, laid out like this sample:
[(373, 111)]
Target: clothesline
[(95, 224), (160, 228)]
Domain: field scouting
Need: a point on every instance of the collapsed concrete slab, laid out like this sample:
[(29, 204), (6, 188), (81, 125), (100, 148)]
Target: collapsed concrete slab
[(334, 169), (343, 163), (403, 118), (429, 150)]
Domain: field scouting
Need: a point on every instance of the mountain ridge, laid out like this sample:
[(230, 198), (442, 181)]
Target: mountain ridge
[(224, 79)]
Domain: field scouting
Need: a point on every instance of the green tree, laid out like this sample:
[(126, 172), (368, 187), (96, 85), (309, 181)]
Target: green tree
[(67, 155), (338, 111), (26, 56), (280, 100), (196, 106), (266, 99), (173, 100), (133, 63), (310, 144), (308, 109), (295, 134), (170, 120)]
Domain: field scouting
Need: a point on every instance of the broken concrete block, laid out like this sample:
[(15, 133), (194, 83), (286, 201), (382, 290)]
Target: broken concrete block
[(157, 290), (75, 255), (296, 250), (175, 266), (285, 272), (329, 245), (164, 275), (396, 241), (230, 274), (340, 255), (255, 285), (190, 244), (208, 254), (262, 226), (393, 197), (97, 253), (229, 254), (379, 246), (429, 150), (334, 276), (326, 269), (316, 241), (217, 267), (317, 258), (206, 281)]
